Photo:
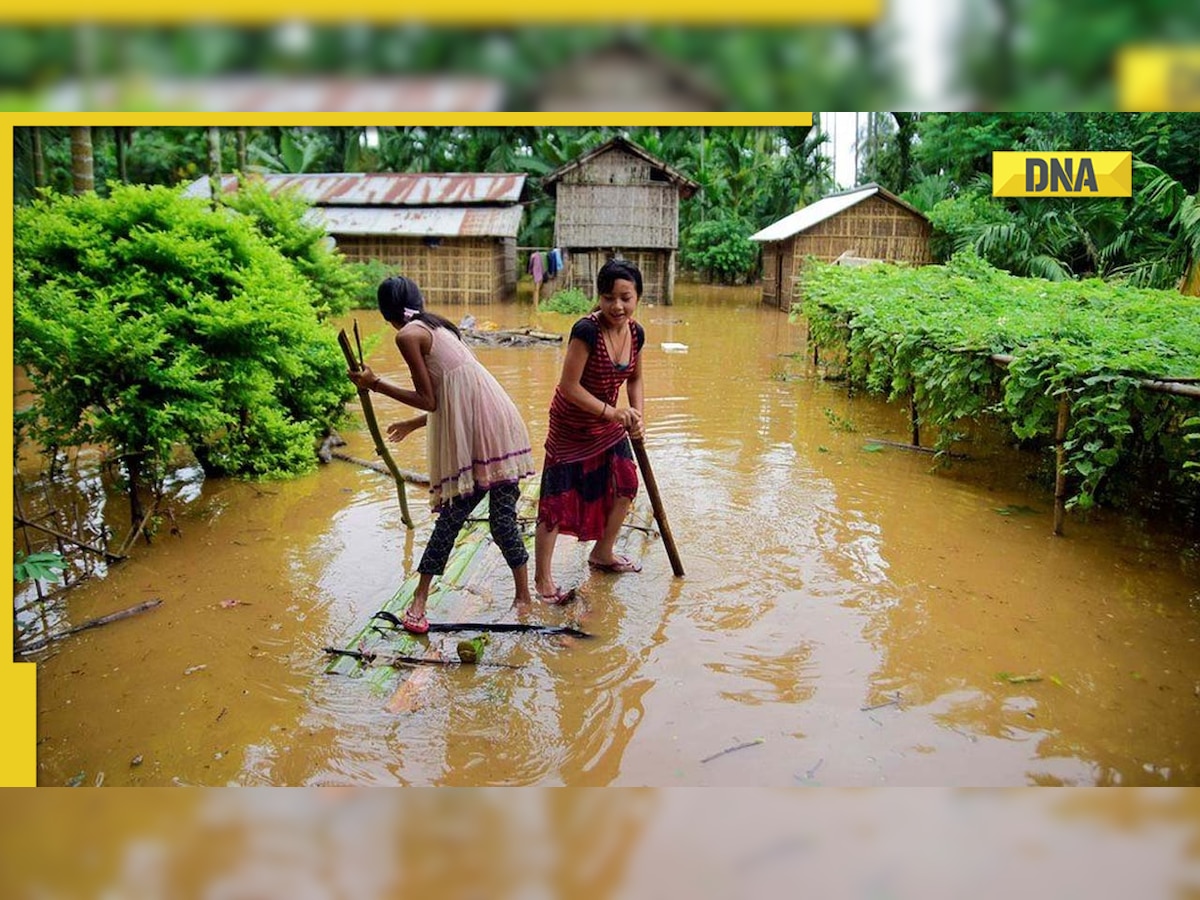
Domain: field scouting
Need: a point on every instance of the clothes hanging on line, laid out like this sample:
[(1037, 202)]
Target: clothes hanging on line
[(536, 267)]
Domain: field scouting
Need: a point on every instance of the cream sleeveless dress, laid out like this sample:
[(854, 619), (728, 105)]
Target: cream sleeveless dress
[(476, 437)]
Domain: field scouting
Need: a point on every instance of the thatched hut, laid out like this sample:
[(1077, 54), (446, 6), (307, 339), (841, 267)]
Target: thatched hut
[(867, 222), (454, 234), (619, 201)]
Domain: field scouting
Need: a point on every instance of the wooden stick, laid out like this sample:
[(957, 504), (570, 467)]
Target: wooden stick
[(127, 544), (108, 554), (376, 466), (512, 627), (1060, 462), (660, 515), (400, 661), (91, 623), (364, 397)]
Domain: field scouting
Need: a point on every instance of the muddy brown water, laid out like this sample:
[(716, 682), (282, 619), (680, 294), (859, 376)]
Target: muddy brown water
[(849, 617)]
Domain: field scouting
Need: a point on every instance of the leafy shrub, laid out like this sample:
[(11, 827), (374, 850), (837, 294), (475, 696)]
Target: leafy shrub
[(569, 301), (145, 321), (721, 248), (957, 221), (367, 276), (934, 330), (280, 218)]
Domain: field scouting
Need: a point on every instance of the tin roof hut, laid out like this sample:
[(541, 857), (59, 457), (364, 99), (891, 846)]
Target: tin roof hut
[(867, 222), (618, 201), (454, 234)]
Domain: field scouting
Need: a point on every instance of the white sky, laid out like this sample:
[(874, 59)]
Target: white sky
[(923, 29)]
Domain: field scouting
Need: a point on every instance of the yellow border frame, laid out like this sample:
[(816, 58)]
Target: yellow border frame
[(467, 13)]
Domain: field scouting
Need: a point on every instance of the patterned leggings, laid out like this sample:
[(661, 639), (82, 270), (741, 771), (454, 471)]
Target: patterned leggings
[(502, 519)]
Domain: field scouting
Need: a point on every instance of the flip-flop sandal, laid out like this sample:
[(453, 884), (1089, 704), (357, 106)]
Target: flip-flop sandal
[(559, 597), (620, 564), (414, 624)]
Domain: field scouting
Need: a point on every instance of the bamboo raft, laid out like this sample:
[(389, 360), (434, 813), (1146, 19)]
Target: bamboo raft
[(380, 652)]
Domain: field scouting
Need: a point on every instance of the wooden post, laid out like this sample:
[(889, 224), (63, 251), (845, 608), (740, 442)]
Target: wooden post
[(912, 414), (1060, 471)]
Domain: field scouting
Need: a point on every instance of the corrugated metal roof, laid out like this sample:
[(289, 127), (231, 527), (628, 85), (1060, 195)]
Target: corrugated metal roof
[(440, 222), (813, 213), (386, 188)]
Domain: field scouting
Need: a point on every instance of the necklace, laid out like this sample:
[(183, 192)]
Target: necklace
[(615, 354)]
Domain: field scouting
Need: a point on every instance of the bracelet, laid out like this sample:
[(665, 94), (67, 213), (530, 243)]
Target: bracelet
[(603, 410)]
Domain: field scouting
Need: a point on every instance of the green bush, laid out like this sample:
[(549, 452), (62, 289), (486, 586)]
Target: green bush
[(933, 330), (722, 249), (280, 219), (569, 301), (367, 276), (147, 322), (957, 221)]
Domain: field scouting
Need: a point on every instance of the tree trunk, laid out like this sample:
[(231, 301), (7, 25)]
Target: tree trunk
[(241, 150), (214, 164), (39, 159), (905, 127), (119, 136), (83, 173), (133, 469)]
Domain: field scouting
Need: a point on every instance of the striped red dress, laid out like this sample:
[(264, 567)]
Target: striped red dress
[(589, 461)]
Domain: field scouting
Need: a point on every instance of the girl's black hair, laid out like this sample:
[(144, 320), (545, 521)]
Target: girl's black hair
[(396, 294), (616, 269)]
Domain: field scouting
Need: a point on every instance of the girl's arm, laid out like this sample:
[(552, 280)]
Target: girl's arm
[(413, 343), (637, 399), (398, 431)]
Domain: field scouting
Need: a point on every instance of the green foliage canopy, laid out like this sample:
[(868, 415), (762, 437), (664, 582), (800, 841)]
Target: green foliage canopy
[(146, 321)]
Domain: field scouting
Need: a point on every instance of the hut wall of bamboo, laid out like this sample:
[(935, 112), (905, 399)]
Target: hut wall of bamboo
[(618, 204), (657, 268), (453, 271), (876, 228)]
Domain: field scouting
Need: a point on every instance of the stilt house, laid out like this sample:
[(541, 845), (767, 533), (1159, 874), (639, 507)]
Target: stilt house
[(619, 201)]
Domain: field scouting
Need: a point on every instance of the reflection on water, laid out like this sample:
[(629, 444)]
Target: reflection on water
[(718, 843), (849, 617)]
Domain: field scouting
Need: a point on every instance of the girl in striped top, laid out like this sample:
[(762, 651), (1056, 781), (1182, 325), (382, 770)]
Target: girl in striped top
[(589, 478)]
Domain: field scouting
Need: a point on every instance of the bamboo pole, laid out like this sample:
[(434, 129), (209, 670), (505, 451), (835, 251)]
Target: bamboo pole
[(1180, 388), (364, 397), (99, 551), (1060, 458), (91, 623), (660, 515)]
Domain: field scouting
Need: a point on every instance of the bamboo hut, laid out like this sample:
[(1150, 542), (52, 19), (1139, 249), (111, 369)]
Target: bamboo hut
[(867, 222), (454, 234), (619, 201)]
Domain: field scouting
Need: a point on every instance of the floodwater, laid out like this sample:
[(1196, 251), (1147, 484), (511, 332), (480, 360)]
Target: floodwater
[(849, 617)]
